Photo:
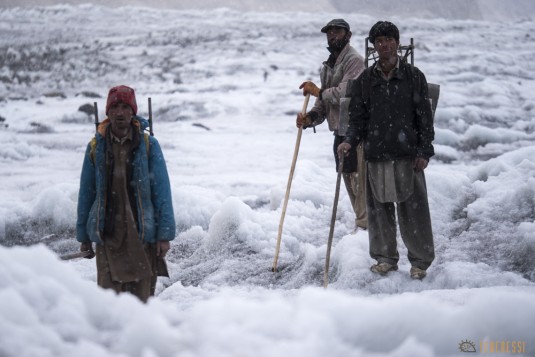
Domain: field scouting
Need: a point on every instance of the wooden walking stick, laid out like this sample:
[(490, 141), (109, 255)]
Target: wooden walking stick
[(333, 219), (75, 255), (289, 185)]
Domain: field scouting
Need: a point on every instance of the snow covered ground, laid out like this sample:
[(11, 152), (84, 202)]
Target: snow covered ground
[(224, 88)]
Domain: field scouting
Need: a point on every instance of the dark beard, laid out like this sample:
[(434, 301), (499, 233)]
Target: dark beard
[(337, 45)]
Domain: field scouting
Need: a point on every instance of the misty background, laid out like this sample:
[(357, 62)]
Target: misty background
[(451, 9)]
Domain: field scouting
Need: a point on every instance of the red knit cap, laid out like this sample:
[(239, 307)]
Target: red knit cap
[(122, 94)]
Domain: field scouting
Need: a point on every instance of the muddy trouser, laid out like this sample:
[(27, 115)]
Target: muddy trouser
[(414, 224), (355, 183), (355, 180), (142, 288)]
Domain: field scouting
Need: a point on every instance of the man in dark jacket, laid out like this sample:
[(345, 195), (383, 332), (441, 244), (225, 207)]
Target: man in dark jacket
[(125, 204), (343, 64), (390, 112)]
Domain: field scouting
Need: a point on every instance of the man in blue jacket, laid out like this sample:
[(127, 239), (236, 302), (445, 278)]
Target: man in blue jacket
[(391, 114), (125, 205)]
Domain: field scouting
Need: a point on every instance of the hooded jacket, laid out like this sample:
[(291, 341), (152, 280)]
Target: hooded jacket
[(349, 64), (150, 187)]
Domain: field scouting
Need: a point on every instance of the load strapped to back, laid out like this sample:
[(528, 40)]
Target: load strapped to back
[(93, 142), (404, 53), (151, 132)]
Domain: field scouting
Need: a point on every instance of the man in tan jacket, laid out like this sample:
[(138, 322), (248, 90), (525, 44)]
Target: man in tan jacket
[(343, 64)]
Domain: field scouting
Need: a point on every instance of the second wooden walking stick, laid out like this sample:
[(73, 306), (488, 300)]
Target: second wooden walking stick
[(333, 219), (288, 186)]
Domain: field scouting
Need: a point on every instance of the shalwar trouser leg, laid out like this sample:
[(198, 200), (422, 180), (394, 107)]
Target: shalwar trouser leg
[(357, 196), (355, 183), (381, 229), (414, 222), (415, 225)]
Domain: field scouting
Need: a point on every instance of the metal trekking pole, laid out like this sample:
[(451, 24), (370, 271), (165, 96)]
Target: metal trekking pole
[(289, 185), (150, 118), (333, 219), (96, 115)]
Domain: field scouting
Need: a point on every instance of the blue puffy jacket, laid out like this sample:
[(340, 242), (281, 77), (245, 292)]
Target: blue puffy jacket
[(152, 190)]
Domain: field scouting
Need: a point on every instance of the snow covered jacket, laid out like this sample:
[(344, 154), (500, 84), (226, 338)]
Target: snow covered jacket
[(394, 118), (150, 188), (348, 65)]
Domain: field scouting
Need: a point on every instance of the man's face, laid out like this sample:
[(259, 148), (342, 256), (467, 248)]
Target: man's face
[(386, 47), (336, 37), (120, 115)]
